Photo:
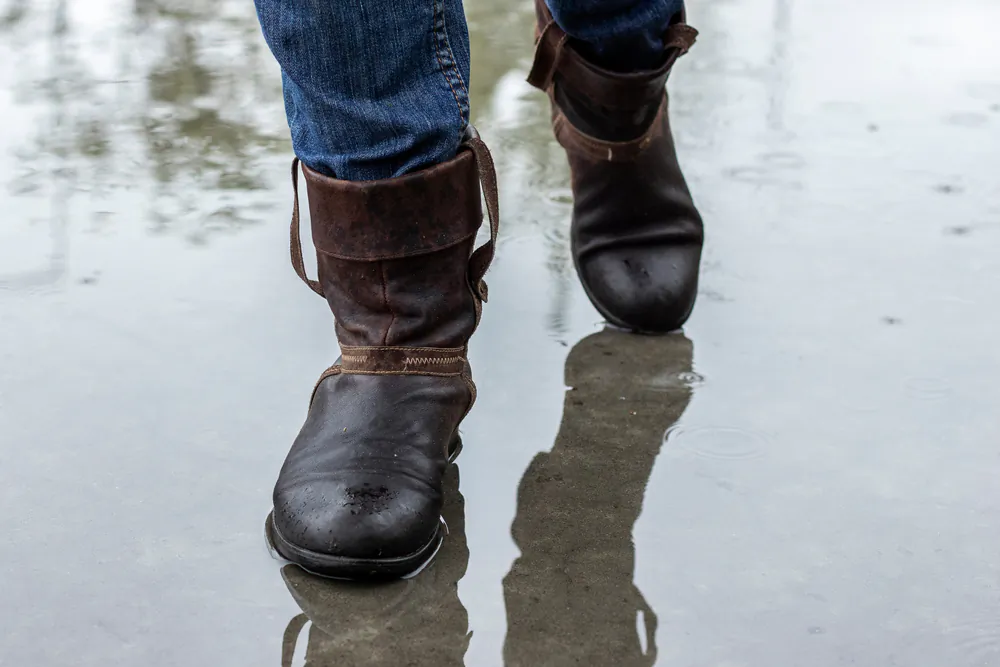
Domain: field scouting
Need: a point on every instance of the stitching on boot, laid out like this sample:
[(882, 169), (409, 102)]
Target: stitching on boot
[(373, 348), (427, 373), (431, 360), (403, 360), (406, 360)]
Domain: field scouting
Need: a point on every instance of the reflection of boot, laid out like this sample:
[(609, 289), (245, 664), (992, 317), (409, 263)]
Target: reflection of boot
[(636, 234), (418, 621), (359, 494), (570, 596)]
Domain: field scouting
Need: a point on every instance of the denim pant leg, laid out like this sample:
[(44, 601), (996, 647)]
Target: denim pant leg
[(624, 35), (373, 88)]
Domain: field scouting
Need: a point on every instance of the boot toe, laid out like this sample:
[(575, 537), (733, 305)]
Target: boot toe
[(356, 528), (649, 290)]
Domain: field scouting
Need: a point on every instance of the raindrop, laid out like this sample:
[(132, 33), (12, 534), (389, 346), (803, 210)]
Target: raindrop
[(692, 379)]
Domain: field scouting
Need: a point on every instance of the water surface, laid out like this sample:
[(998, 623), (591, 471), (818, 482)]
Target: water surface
[(808, 475)]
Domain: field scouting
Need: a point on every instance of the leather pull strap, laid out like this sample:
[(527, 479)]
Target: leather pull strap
[(296, 241), (384, 360), (481, 259), (677, 41), (557, 58), (680, 36), (548, 52)]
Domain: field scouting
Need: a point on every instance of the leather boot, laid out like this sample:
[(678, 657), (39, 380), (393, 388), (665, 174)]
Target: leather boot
[(636, 235), (359, 495), (416, 621)]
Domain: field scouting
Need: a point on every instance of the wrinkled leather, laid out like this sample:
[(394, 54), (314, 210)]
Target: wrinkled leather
[(363, 479), (636, 234)]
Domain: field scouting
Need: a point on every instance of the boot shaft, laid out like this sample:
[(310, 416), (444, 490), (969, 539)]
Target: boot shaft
[(393, 255), (603, 114)]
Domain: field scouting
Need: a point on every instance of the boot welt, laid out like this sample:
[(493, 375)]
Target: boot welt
[(351, 569)]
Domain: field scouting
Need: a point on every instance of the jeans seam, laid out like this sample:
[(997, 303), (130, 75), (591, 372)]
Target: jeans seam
[(446, 61)]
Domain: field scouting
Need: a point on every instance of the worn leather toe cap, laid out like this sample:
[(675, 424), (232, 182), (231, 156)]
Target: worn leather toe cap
[(650, 290), (367, 518)]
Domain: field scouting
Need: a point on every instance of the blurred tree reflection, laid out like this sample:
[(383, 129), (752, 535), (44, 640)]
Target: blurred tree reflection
[(177, 98), (15, 11)]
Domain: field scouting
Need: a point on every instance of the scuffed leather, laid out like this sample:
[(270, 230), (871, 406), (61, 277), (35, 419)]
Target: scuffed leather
[(427, 210), (363, 478)]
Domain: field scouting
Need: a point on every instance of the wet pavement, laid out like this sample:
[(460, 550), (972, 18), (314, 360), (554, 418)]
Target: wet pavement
[(807, 476)]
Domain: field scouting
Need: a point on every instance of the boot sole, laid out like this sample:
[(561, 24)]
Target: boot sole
[(357, 569)]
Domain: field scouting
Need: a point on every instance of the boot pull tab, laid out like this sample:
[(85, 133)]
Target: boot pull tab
[(481, 259), (296, 242), (548, 53), (678, 40)]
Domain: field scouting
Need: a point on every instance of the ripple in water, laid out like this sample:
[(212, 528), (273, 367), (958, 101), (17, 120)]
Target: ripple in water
[(978, 640), (716, 442), (673, 381), (928, 389), (972, 642), (692, 379)]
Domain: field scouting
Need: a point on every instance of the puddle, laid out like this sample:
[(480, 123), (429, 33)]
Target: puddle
[(827, 495)]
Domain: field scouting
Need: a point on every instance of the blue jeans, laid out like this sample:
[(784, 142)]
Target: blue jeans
[(378, 88)]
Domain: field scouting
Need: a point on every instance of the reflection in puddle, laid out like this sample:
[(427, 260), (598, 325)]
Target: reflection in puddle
[(153, 351), (713, 442), (416, 621), (173, 97), (570, 597)]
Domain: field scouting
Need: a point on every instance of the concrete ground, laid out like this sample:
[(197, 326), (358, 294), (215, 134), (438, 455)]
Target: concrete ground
[(809, 475)]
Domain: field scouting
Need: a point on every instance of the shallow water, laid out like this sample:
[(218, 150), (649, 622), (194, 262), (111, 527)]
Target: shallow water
[(807, 476)]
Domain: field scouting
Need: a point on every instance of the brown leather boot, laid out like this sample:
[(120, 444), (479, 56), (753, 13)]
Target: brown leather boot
[(359, 495), (636, 234)]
